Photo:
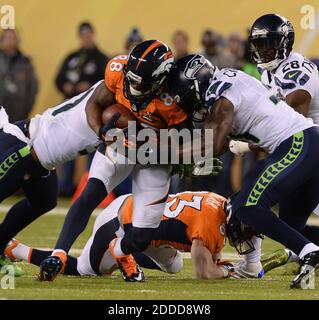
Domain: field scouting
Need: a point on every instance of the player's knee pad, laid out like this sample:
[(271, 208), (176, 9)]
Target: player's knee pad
[(176, 263)]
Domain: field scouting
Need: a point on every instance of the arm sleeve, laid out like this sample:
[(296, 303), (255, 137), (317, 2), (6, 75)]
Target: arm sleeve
[(113, 73), (78, 216)]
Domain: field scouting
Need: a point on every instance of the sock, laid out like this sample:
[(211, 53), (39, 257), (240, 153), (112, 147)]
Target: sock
[(292, 256), (310, 247), (118, 249), (311, 233), (145, 262), (37, 256), (254, 257), (17, 218), (22, 252)]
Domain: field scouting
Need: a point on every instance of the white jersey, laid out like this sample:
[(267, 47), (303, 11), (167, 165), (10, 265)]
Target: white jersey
[(295, 73), (259, 117), (62, 132)]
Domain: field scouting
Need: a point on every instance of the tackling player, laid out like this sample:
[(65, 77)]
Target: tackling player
[(192, 222), (238, 106), (31, 149)]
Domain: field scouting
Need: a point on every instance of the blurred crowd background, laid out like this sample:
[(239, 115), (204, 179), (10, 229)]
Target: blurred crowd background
[(39, 69)]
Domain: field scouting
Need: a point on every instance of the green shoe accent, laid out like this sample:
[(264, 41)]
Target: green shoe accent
[(274, 260), (6, 265)]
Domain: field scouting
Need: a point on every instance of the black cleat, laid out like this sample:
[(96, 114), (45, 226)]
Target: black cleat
[(306, 276)]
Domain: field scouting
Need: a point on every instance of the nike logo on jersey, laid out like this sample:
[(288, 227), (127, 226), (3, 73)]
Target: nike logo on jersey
[(291, 75)]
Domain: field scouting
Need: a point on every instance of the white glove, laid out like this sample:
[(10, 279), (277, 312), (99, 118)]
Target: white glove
[(238, 147), (243, 270)]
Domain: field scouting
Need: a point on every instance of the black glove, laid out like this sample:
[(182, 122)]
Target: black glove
[(50, 268), (111, 124)]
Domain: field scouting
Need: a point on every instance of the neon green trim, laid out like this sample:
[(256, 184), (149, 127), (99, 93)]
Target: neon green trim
[(24, 151), (275, 169), (10, 161)]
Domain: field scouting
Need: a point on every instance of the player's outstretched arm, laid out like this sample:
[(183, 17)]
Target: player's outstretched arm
[(203, 263), (100, 99), (220, 120)]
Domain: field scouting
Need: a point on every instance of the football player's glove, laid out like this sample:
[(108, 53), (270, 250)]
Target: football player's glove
[(208, 167), (111, 124), (227, 267), (52, 266)]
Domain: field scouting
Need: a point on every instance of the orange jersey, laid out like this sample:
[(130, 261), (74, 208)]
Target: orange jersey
[(188, 216), (161, 112)]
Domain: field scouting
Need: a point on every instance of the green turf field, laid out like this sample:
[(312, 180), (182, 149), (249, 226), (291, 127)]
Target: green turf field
[(43, 233)]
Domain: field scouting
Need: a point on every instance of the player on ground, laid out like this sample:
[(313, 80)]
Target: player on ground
[(240, 107), (135, 81), (192, 222)]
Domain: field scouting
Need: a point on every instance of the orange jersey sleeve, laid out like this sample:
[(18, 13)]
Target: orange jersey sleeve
[(113, 76)]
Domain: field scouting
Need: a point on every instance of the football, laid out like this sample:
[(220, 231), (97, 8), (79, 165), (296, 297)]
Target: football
[(126, 115)]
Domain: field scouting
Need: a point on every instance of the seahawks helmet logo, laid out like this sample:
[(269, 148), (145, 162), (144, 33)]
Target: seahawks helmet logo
[(193, 66)]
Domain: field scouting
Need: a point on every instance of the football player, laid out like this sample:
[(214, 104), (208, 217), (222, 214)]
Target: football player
[(288, 75), (31, 149), (137, 82), (192, 222), (239, 106)]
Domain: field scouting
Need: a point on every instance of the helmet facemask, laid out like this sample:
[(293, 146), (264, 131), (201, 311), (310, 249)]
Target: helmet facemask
[(140, 92), (239, 234), (192, 104), (268, 52)]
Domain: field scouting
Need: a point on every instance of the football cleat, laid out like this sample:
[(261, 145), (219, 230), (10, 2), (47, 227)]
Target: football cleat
[(128, 267), (8, 251), (242, 270), (51, 267), (9, 267), (306, 276), (130, 270), (276, 259)]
